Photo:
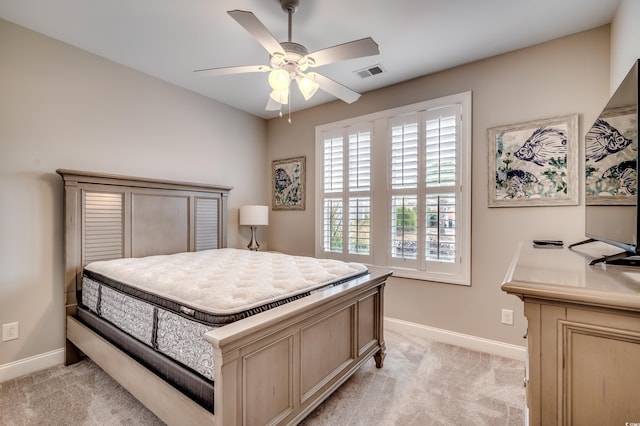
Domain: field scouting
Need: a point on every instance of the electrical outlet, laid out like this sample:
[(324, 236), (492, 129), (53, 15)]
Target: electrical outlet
[(10, 331), (507, 316)]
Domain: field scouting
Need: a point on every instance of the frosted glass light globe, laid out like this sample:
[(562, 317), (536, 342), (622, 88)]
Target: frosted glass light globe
[(279, 80)]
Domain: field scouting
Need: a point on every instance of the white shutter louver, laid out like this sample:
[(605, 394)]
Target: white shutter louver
[(441, 151), (404, 227), (360, 161), (404, 155), (333, 164), (441, 227), (359, 225), (332, 226)]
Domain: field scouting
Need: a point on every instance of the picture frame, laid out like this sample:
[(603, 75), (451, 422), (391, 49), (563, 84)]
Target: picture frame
[(534, 163), (611, 151), (288, 184)]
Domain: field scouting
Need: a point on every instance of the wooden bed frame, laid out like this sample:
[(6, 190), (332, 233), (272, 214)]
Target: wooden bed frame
[(271, 368)]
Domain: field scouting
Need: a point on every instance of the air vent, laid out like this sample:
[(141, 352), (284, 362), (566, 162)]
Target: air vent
[(370, 71)]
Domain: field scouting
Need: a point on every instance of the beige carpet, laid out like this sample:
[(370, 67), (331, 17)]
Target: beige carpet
[(422, 383)]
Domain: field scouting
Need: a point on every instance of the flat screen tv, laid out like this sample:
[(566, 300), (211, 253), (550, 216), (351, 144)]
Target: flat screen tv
[(611, 172)]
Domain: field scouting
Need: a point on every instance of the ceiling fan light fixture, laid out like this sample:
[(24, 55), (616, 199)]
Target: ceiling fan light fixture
[(279, 80), (307, 85), (280, 96)]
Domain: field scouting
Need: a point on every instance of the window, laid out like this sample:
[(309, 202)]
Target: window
[(393, 189)]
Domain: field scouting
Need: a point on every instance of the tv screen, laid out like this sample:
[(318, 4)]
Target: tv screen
[(611, 169)]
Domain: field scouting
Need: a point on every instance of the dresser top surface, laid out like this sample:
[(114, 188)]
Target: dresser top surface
[(565, 275)]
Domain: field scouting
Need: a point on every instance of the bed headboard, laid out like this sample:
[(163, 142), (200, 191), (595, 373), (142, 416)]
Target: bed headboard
[(110, 216)]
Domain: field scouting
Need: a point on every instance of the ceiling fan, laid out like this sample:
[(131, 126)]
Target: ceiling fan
[(290, 61)]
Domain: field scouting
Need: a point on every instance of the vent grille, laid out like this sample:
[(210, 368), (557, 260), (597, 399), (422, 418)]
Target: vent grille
[(370, 71), (206, 223), (103, 230)]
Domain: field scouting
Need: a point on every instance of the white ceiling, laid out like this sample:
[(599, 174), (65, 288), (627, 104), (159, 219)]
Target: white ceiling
[(168, 39)]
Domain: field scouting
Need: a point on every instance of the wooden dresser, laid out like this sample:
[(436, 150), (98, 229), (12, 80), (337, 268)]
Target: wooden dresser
[(583, 335)]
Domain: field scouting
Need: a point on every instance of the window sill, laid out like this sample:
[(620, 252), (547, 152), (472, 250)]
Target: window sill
[(429, 276)]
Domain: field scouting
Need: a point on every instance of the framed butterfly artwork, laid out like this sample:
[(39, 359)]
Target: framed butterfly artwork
[(288, 184)]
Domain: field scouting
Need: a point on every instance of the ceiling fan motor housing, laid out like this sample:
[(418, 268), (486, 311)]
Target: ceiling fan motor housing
[(295, 51), (294, 54)]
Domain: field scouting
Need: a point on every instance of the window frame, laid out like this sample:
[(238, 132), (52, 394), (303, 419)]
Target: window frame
[(458, 272)]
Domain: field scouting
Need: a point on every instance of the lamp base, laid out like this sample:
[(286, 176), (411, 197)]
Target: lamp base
[(253, 244)]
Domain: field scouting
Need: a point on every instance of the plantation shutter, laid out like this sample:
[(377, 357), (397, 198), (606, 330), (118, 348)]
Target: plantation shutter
[(440, 178), (405, 165), (346, 194)]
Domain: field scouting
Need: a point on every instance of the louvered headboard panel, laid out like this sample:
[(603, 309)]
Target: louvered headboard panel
[(111, 216), (207, 215), (103, 226)]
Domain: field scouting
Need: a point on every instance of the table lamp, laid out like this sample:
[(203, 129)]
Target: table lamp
[(254, 216)]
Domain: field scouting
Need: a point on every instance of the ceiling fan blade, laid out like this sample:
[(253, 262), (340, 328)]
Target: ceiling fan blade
[(336, 89), (351, 50), (250, 23), (232, 70)]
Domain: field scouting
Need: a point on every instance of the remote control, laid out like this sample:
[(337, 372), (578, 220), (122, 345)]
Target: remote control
[(557, 243)]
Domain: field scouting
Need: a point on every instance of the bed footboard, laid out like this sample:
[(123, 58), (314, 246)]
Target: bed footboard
[(276, 367)]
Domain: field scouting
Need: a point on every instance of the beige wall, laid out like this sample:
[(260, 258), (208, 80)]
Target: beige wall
[(625, 33), (569, 75), (61, 107)]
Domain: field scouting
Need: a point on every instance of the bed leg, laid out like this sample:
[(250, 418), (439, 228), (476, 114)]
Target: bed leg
[(379, 356), (71, 353)]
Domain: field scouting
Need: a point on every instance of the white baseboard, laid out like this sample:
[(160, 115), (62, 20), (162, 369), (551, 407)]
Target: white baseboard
[(451, 337), (31, 365)]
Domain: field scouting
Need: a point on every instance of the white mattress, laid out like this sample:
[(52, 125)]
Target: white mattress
[(225, 281), (169, 302)]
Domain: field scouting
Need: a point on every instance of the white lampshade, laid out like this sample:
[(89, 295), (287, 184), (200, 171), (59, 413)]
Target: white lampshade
[(254, 215), (307, 85), (282, 97)]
